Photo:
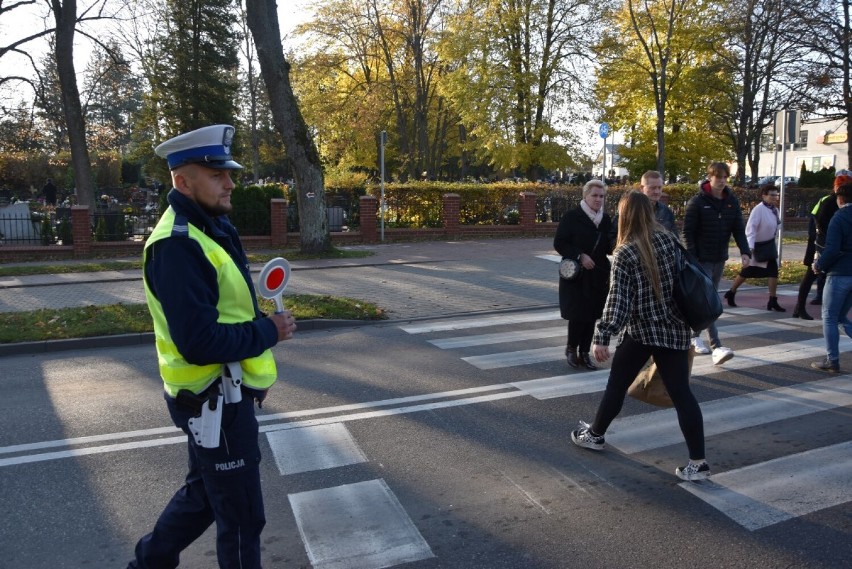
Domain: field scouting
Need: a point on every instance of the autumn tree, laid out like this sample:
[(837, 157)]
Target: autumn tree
[(647, 50), (301, 152), (516, 69), (826, 34)]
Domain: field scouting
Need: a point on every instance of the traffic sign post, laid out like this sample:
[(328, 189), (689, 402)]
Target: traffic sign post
[(273, 280), (604, 132)]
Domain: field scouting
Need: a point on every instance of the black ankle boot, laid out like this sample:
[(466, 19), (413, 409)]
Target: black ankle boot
[(587, 361), (729, 296), (573, 361), (800, 312), (773, 305)]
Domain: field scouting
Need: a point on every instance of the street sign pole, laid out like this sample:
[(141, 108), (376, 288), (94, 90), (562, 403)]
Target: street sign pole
[(383, 139), (604, 132)]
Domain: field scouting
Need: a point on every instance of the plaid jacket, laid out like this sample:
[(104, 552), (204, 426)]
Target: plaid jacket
[(631, 303)]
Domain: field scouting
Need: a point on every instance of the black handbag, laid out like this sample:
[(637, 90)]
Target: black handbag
[(765, 251), (694, 293), (569, 269)]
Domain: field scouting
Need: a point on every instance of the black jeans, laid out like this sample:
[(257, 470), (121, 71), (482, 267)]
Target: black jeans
[(674, 369), (807, 283), (580, 335)]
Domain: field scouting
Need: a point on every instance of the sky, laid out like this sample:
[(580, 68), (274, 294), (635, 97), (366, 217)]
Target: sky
[(29, 19)]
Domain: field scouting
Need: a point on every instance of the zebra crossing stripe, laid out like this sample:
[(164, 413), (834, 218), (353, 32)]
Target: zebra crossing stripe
[(638, 433), (780, 489), (498, 338), (466, 323), (357, 526)]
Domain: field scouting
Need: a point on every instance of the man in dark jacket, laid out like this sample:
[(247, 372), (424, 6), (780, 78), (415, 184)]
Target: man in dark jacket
[(836, 260), (711, 218)]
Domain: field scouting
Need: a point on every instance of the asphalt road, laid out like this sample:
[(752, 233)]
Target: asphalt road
[(444, 443)]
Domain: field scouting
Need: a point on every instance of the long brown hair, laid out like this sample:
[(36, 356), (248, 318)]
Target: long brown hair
[(637, 224)]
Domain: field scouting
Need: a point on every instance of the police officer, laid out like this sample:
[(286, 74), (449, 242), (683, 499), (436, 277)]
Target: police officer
[(205, 314)]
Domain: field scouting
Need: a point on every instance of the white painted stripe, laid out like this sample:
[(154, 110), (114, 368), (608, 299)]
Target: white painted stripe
[(260, 418), (499, 338), (553, 258), (357, 526), (569, 384), (519, 358), (77, 452), (658, 429), (781, 489), (314, 448), (539, 355), (466, 323)]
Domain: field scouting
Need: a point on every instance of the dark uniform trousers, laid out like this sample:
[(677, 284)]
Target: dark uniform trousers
[(222, 486)]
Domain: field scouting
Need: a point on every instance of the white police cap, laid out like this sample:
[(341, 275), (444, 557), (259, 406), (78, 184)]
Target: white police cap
[(209, 146)]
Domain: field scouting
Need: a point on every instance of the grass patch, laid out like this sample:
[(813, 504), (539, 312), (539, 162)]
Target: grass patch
[(85, 322), (98, 266)]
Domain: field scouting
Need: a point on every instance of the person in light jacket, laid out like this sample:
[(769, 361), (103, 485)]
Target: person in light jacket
[(641, 303), (762, 226)]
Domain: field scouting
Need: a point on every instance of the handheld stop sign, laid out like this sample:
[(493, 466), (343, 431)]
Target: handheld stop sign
[(273, 280)]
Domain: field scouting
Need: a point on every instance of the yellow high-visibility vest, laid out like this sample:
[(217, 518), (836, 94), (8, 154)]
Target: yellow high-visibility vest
[(235, 305)]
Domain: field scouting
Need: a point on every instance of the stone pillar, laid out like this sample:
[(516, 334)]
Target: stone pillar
[(527, 208), (369, 206), (278, 219), (451, 212), (81, 230)]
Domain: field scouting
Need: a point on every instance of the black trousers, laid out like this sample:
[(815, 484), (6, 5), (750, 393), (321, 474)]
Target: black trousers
[(807, 283), (580, 335), (674, 369)]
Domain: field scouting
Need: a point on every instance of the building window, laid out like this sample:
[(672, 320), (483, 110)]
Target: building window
[(803, 141)]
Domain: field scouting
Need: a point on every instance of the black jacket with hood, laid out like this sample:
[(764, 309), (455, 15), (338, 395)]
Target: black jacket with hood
[(709, 223)]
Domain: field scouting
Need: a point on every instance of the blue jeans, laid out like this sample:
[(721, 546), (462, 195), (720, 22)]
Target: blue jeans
[(715, 271), (836, 303)]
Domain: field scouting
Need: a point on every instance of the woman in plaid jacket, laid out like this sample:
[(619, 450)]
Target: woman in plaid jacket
[(641, 303)]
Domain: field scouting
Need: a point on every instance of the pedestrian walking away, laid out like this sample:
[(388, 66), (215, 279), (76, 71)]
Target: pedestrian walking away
[(641, 304), (584, 235), (761, 230), (213, 347), (711, 218), (836, 261)]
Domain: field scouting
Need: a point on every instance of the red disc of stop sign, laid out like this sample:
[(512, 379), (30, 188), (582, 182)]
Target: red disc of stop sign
[(273, 278)]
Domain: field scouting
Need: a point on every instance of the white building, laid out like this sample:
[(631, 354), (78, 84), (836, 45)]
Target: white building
[(822, 144)]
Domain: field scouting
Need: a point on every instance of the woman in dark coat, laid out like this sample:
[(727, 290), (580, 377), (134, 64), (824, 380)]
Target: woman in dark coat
[(583, 235)]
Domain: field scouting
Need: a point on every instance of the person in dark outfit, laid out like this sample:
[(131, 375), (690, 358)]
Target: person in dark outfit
[(711, 218), (836, 260), (821, 215), (208, 329), (641, 303), (652, 186), (583, 234), (49, 191)]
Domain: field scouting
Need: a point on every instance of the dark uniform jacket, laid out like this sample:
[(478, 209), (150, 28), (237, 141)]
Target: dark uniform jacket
[(709, 223), (582, 299), (836, 258)]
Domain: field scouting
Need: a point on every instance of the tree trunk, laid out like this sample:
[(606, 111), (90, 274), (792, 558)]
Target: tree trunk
[(66, 20), (299, 147)]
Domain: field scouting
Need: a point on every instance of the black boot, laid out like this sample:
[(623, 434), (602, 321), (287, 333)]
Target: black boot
[(729, 296), (572, 357), (800, 312), (587, 361), (773, 305)]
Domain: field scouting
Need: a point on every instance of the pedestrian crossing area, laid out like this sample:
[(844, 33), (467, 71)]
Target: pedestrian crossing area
[(754, 496)]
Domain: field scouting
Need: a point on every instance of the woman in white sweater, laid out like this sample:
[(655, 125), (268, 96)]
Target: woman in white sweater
[(761, 229)]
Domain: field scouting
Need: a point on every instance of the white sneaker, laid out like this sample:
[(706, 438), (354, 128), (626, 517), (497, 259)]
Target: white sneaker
[(699, 347), (721, 355)]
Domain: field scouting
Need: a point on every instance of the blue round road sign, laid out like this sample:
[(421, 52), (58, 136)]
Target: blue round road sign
[(604, 130)]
